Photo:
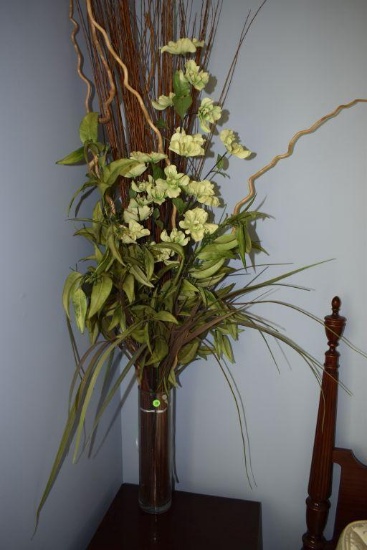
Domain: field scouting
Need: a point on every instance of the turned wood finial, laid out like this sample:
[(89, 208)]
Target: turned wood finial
[(334, 324), (320, 483)]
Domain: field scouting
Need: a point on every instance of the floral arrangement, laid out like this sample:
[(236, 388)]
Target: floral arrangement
[(152, 284), (171, 277)]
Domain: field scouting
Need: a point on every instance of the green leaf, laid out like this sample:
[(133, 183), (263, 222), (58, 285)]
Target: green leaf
[(227, 349), (157, 172), (165, 316), (181, 86), (104, 262), (87, 233), (99, 362), (129, 287), (79, 301), (207, 269), (73, 158), (111, 243), (182, 104), (241, 238), (88, 129), (188, 353), (100, 292), (220, 162), (161, 124), (172, 379), (171, 246), (128, 168), (180, 205), (160, 351), (148, 263), (79, 191), (188, 289), (70, 282), (116, 317), (140, 276)]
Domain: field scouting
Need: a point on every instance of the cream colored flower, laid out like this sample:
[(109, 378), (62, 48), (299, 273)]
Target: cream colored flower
[(233, 147), (203, 191), (137, 210), (195, 224), (141, 186), (161, 254), (148, 157), (186, 145), (154, 192), (163, 102), (174, 181), (182, 46), (199, 79), (176, 236), (208, 113), (133, 232), (157, 192)]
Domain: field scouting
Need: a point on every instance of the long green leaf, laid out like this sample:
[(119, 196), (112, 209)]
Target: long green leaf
[(93, 380), (70, 282), (100, 292), (88, 129), (114, 389), (73, 158), (68, 433), (80, 305)]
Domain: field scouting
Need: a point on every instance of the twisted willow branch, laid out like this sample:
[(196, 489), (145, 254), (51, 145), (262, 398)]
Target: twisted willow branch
[(80, 57), (126, 75), (95, 25), (112, 92), (293, 141)]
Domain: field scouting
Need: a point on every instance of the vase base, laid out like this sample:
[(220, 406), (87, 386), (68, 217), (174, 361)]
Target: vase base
[(151, 509)]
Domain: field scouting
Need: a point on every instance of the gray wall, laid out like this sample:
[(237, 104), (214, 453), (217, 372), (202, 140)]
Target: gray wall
[(41, 103), (300, 61)]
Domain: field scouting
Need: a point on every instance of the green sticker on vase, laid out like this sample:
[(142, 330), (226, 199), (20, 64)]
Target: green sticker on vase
[(156, 403)]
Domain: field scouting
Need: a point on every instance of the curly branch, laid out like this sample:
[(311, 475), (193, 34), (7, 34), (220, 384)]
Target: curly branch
[(80, 57), (293, 141), (112, 93), (95, 25)]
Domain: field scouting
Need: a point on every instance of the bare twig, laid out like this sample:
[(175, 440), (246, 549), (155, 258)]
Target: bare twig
[(95, 25), (288, 153), (80, 57)]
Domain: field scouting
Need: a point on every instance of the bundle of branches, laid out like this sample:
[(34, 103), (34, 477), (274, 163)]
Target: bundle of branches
[(135, 37)]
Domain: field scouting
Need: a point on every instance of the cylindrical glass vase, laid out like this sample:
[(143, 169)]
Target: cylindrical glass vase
[(155, 451)]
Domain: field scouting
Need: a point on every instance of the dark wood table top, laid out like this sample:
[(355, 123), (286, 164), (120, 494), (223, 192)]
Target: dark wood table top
[(194, 522)]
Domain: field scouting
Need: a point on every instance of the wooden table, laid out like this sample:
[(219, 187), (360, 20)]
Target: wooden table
[(194, 522)]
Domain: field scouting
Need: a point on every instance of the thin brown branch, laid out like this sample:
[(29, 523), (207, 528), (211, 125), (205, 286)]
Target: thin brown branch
[(95, 25), (79, 57), (288, 153)]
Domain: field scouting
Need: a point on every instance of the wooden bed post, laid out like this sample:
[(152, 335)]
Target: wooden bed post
[(320, 484)]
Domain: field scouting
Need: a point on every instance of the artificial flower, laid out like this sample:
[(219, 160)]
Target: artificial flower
[(173, 182), (203, 191), (133, 232), (195, 224), (153, 157), (233, 147), (182, 46), (176, 236), (137, 210), (187, 145), (208, 113), (163, 102), (199, 79)]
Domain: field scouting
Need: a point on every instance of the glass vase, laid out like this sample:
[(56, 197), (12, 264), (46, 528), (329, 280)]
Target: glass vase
[(155, 451)]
